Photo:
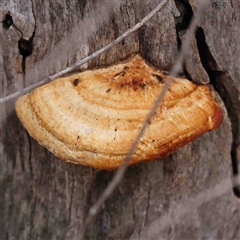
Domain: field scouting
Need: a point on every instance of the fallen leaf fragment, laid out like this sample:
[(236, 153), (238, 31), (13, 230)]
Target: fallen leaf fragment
[(92, 117)]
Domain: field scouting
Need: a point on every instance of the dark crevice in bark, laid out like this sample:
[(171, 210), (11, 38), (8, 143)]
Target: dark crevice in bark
[(186, 13), (147, 208), (210, 66), (182, 22), (26, 48), (71, 200), (30, 154), (206, 57), (7, 21), (215, 77)]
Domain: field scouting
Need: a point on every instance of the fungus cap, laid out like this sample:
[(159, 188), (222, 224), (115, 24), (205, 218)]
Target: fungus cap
[(93, 117)]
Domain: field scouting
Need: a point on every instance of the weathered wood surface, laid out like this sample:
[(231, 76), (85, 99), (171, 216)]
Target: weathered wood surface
[(187, 195)]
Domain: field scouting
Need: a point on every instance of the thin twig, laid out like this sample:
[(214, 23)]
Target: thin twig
[(120, 172), (87, 59)]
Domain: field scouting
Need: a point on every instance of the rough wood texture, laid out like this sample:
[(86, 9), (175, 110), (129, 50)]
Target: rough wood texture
[(185, 196)]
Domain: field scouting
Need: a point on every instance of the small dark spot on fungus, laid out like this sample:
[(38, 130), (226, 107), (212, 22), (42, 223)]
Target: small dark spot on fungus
[(149, 121), (108, 90), (153, 140), (115, 129), (159, 78), (122, 73), (78, 137), (76, 82)]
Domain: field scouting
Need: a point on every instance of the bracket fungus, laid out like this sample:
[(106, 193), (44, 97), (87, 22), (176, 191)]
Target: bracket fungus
[(93, 117)]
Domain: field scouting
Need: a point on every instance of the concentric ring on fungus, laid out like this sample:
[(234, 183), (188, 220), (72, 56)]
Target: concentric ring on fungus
[(92, 117)]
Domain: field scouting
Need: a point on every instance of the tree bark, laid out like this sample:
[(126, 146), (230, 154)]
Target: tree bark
[(187, 195)]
